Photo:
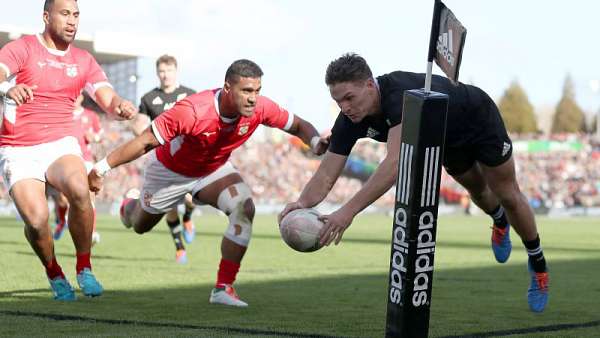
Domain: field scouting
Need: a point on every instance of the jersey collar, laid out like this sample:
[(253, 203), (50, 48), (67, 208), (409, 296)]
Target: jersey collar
[(52, 50), (223, 118), (176, 87)]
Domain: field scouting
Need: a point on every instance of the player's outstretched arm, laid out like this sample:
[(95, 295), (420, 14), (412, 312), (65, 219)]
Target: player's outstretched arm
[(125, 153), (320, 184), (309, 135), (113, 104), (381, 181)]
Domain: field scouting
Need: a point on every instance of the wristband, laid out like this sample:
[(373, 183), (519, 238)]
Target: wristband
[(102, 167), (4, 87), (314, 142)]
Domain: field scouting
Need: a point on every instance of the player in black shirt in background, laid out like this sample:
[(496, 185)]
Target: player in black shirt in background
[(478, 155), (154, 103)]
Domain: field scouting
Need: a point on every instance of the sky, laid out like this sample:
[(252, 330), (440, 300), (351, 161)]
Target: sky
[(534, 42)]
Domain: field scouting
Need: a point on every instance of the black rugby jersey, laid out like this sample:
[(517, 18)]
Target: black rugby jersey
[(156, 101), (464, 113)]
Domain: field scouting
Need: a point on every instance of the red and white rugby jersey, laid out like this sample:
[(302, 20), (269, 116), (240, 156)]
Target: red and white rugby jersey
[(59, 76), (87, 122), (196, 140)]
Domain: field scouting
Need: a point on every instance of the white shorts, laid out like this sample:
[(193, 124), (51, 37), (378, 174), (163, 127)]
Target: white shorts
[(163, 189), (19, 163)]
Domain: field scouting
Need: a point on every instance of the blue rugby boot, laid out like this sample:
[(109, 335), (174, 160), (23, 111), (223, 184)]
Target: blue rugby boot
[(537, 294), (61, 289), (501, 244), (88, 283)]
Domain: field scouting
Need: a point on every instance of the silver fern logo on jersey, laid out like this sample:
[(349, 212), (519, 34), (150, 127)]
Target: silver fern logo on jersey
[(71, 71), (505, 148), (372, 132)]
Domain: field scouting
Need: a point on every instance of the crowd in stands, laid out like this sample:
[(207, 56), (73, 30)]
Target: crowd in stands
[(277, 171), (563, 178)]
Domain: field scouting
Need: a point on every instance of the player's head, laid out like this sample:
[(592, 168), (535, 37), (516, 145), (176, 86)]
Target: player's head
[(61, 20), (166, 70), (352, 86), (242, 85)]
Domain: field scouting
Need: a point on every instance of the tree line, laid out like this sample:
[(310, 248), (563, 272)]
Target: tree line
[(519, 115)]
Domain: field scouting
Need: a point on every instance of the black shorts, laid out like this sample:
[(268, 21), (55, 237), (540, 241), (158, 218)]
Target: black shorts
[(488, 143)]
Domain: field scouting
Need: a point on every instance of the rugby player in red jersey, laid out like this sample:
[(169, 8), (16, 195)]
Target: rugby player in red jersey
[(193, 142), (38, 144)]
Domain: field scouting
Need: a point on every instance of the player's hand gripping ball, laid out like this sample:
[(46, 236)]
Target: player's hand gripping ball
[(301, 230)]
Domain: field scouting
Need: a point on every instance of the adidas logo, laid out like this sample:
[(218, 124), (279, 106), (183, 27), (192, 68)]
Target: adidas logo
[(372, 132), (505, 149), (157, 100), (444, 47)]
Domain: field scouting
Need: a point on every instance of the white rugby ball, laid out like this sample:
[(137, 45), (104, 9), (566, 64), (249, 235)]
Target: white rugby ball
[(301, 230)]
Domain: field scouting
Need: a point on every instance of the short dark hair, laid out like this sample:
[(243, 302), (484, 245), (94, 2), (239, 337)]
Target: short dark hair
[(349, 67), (166, 59), (48, 5), (242, 68)]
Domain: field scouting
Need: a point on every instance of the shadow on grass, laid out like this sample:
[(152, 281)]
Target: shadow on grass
[(11, 242), (487, 301), (107, 257)]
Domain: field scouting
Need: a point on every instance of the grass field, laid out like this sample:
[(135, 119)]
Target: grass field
[(337, 291)]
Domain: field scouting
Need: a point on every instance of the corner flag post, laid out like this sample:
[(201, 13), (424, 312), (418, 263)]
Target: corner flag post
[(433, 37), (418, 185)]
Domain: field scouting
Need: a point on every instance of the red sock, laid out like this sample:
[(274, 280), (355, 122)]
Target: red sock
[(227, 272), (61, 213), (53, 270), (83, 261)]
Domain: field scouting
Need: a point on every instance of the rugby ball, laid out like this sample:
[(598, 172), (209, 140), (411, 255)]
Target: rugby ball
[(301, 229)]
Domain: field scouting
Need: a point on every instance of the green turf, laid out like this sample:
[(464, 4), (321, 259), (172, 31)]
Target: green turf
[(337, 291)]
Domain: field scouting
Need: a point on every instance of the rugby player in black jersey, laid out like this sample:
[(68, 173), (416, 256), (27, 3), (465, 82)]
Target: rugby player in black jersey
[(478, 155)]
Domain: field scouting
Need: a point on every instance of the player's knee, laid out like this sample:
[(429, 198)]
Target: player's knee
[(236, 202), (249, 209), (78, 194), (139, 229), (143, 222), (234, 197), (36, 220)]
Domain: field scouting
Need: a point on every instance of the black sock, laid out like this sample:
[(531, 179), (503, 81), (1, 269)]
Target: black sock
[(187, 215), (175, 229), (536, 255), (499, 217)]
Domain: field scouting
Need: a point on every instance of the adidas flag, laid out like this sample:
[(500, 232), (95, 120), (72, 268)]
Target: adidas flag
[(450, 42)]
